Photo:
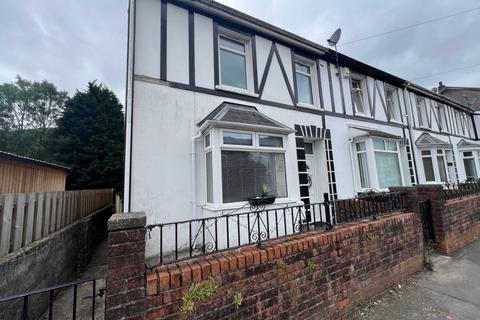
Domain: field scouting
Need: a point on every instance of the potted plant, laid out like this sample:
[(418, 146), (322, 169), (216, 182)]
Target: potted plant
[(264, 198)]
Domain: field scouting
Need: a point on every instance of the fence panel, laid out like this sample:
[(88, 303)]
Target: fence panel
[(27, 217)]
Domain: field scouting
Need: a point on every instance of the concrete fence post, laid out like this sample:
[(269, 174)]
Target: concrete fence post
[(125, 283)]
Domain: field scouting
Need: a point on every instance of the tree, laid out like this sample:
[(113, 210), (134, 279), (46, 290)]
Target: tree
[(90, 139), (28, 111)]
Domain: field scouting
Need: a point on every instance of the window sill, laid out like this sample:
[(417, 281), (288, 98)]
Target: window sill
[(309, 106), (363, 115), (396, 121), (236, 90), (279, 203)]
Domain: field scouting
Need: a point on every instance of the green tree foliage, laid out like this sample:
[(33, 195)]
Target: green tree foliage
[(90, 138), (28, 111)]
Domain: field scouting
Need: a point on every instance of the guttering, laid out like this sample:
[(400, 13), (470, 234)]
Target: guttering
[(417, 89), (244, 126)]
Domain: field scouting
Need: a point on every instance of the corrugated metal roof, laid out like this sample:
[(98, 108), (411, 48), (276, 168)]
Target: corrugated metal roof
[(10, 156)]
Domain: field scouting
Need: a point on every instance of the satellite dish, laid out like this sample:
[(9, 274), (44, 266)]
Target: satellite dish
[(335, 37)]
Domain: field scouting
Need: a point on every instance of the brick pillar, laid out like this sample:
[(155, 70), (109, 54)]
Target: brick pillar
[(126, 266)]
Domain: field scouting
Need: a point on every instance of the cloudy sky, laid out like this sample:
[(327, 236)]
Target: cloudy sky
[(71, 42)]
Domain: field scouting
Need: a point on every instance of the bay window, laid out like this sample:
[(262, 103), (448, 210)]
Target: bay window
[(377, 161), (434, 165), (387, 163), (469, 164)]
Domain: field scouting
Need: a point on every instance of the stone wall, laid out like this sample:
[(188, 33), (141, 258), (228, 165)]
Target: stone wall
[(315, 274), (53, 260)]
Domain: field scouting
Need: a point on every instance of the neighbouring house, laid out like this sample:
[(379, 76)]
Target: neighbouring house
[(468, 96), (20, 174), (220, 103)]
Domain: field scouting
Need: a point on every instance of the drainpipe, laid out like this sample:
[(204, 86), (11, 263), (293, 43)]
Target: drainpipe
[(194, 177)]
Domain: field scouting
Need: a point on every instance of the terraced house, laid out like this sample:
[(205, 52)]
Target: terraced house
[(220, 104)]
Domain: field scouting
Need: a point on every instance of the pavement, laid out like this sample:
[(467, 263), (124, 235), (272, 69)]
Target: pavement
[(451, 291), (96, 269)]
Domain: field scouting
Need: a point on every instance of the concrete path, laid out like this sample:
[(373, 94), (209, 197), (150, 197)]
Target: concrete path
[(96, 269), (450, 291)]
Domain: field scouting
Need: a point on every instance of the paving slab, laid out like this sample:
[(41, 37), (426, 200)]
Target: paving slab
[(450, 291)]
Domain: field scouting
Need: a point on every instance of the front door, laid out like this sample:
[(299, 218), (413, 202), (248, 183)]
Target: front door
[(312, 171)]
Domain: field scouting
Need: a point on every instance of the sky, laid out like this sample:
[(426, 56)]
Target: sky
[(71, 42)]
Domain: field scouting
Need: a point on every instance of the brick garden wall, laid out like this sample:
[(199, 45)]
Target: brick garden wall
[(460, 223), (456, 222), (313, 275)]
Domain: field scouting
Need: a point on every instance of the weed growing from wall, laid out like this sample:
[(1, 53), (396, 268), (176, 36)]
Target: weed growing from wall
[(196, 293)]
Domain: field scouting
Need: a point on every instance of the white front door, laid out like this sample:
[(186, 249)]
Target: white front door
[(313, 174)]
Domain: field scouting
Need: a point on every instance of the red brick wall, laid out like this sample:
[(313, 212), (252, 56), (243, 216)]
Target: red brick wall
[(460, 223), (316, 274)]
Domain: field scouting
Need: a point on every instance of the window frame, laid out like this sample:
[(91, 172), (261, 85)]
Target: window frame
[(217, 146), (362, 81), (434, 154), (312, 64), (422, 122), (475, 158), (396, 104), (249, 72), (372, 162)]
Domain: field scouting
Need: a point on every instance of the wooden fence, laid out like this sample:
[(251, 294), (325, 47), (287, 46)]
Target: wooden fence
[(27, 217)]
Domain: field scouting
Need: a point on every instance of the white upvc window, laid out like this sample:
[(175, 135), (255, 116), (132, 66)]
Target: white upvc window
[(422, 111), (244, 161), (359, 95), (306, 82), (469, 162), (378, 163), (434, 165), (393, 103), (235, 65), (442, 117)]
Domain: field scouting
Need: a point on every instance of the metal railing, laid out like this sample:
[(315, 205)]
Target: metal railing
[(190, 238), (460, 190), (29, 300)]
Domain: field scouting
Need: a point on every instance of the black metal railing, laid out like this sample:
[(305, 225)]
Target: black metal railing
[(190, 238), (27, 305), (460, 190)]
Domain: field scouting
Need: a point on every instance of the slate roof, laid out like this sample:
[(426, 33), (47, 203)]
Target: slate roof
[(10, 156), (233, 113), (426, 140), (469, 97)]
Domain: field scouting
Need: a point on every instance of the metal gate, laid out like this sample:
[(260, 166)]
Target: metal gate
[(425, 209), (75, 300)]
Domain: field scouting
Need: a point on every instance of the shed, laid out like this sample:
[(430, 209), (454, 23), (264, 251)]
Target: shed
[(20, 174)]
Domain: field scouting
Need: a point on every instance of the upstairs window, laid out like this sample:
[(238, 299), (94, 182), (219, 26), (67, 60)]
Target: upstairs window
[(358, 94), (442, 117), (422, 111), (303, 76), (393, 105), (234, 59)]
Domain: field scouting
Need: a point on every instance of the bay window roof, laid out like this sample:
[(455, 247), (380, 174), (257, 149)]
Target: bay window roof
[(426, 140), (368, 132), (464, 144), (237, 116)]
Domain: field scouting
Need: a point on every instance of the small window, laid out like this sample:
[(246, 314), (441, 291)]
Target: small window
[(237, 138), (308, 148), (207, 140), (358, 95), (421, 111), (442, 120), (303, 74), (270, 141), (233, 62), (392, 102)]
